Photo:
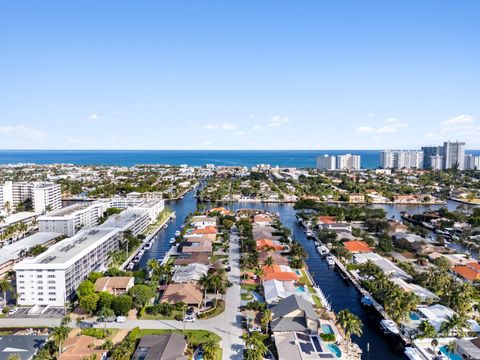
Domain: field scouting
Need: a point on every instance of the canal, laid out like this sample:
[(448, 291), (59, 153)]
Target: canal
[(340, 294)]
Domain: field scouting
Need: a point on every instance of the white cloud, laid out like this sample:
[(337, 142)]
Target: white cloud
[(458, 124), (274, 121), (239, 133), (221, 126), (391, 125), (22, 131), (93, 117)]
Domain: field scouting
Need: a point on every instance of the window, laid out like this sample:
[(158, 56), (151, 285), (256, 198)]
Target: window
[(40, 299), (51, 281), (52, 299), (51, 288), (51, 276), (51, 293), (40, 293), (39, 276)]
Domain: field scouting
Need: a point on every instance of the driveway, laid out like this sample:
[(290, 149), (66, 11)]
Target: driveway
[(227, 325)]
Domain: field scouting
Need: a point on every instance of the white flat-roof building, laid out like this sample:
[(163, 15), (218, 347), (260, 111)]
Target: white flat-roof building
[(72, 218), (26, 217), (45, 196), (388, 267), (134, 220), (326, 162), (53, 277)]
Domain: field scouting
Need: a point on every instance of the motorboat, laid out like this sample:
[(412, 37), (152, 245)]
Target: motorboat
[(322, 250), (309, 234), (389, 326), (177, 233), (412, 353), (366, 301), (130, 266), (141, 252), (148, 246), (172, 241), (330, 260), (136, 259)]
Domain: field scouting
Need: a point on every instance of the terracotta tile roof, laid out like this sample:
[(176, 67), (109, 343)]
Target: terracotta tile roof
[(275, 272), (262, 218), (114, 283), (78, 348), (469, 272), (206, 230), (355, 246), (327, 219), (277, 258), (188, 293), (265, 244)]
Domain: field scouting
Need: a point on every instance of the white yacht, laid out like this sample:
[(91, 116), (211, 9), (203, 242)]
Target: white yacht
[(148, 246), (412, 353), (172, 241), (389, 326), (177, 233), (322, 250), (330, 260)]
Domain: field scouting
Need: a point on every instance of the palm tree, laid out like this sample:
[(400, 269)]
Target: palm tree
[(210, 348), (427, 329), (256, 348), (205, 282), (350, 323), (269, 261), (266, 318), (65, 321), (114, 257), (451, 348), (434, 344), (59, 335), (14, 357), (5, 285)]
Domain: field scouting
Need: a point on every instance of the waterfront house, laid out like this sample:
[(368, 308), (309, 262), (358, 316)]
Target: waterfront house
[(388, 267), (161, 347), (201, 237), (293, 345), (189, 274), (436, 314), (205, 230), (203, 221), (25, 346), (336, 227), (294, 313), (356, 247), (82, 347), (194, 258), (469, 272), (276, 290), (279, 272), (262, 220), (356, 198), (276, 258), (190, 294), (425, 295), (266, 244), (264, 232), (116, 285), (188, 247), (396, 227)]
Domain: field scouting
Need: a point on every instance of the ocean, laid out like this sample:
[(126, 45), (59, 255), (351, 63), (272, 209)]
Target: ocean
[(370, 159)]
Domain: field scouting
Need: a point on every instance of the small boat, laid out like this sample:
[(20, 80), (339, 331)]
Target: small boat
[(309, 234), (322, 250), (172, 241), (166, 225), (174, 216), (141, 252), (136, 259), (330, 260), (389, 326), (130, 266), (147, 246), (412, 353), (366, 301), (177, 233)]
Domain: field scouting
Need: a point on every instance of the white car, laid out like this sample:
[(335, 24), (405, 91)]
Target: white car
[(121, 319), (189, 319), (12, 311)]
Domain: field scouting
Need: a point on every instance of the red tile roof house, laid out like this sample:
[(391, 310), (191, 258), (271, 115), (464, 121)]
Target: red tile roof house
[(277, 258), (266, 244), (262, 220), (279, 272), (206, 230), (469, 272), (197, 247), (356, 247), (327, 219)]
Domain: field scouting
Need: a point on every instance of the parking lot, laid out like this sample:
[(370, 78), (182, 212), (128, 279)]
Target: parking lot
[(53, 312)]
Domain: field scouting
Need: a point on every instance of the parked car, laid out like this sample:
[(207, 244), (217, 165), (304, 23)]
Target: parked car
[(189, 319), (107, 319), (121, 319), (12, 311), (190, 311), (85, 325)]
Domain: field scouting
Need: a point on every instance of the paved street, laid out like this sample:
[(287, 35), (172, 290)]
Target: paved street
[(227, 325)]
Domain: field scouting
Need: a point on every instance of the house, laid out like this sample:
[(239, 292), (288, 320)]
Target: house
[(425, 295), (292, 345), (396, 226), (453, 259), (190, 294), (276, 290), (411, 238), (279, 272), (327, 219), (336, 227), (189, 274), (205, 230), (203, 221), (356, 198), (356, 247), (262, 220), (188, 247), (469, 348), (266, 244), (294, 314), (194, 258), (469, 272), (264, 232), (436, 314), (161, 347), (276, 258), (201, 237), (81, 347), (115, 285), (25, 346), (388, 267), (221, 210)]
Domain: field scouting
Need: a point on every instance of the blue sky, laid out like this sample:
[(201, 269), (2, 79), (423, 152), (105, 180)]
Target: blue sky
[(238, 74)]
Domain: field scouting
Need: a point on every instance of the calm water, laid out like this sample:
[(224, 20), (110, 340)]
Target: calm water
[(294, 158)]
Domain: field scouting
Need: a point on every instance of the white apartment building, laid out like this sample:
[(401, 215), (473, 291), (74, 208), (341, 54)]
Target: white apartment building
[(454, 154), (348, 162), (134, 220), (45, 196), (52, 278), (401, 159), (436, 162), (326, 162), (472, 162), (387, 159), (71, 219), (153, 206)]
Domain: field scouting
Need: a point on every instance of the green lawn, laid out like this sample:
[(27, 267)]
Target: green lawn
[(317, 301), (218, 257), (251, 287), (304, 278)]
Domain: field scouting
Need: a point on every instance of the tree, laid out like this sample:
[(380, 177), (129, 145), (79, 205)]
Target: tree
[(266, 318), (427, 330), (88, 303), (269, 261), (451, 348), (210, 348), (385, 243), (350, 323), (254, 343), (94, 276), (205, 282), (59, 335), (5, 285), (104, 300), (106, 313), (14, 357), (141, 295), (85, 288), (122, 304)]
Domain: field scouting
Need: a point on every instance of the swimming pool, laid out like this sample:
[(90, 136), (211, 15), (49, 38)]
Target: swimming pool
[(301, 289), (327, 329), (414, 316), (453, 356), (335, 350), (298, 272)]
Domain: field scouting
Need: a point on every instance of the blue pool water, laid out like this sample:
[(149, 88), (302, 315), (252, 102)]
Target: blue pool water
[(327, 329), (301, 289), (453, 356), (414, 316), (335, 350), (298, 272)]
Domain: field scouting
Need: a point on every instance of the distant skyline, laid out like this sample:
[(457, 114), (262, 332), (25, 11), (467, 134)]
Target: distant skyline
[(239, 75)]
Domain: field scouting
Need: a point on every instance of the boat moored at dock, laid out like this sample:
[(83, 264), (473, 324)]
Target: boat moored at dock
[(389, 327)]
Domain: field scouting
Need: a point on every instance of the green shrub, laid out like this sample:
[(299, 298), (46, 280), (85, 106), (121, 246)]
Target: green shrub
[(97, 332), (328, 337)]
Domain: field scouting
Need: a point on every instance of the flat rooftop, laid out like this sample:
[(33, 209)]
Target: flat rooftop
[(12, 252), (20, 216), (68, 210), (123, 219), (70, 249)]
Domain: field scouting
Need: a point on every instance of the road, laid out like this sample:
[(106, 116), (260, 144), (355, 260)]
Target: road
[(227, 325)]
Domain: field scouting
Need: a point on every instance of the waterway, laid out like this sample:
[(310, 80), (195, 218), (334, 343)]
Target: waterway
[(339, 293)]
